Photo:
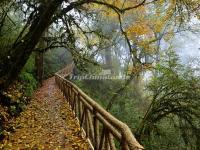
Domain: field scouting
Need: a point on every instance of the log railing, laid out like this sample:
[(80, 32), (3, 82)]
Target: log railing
[(103, 130)]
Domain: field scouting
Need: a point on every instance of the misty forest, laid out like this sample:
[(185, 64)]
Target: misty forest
[(100, 74)]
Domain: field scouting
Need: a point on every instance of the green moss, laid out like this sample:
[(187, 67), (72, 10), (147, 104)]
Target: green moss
[(27, 76)]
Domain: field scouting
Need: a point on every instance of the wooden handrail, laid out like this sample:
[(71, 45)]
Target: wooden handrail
[(94, 119)]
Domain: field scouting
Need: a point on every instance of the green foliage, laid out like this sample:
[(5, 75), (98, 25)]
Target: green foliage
[(9, 31), (175, 94), (129, 106), (55, 60), (95, 88), (30, 83), (27, 76)]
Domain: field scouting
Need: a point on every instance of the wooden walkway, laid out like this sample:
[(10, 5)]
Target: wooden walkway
[(47, 123)]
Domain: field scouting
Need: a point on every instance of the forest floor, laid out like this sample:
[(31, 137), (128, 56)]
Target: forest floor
[(47, 123)]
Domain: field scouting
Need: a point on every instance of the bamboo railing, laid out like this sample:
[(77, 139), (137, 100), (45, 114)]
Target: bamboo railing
[(103, 130)]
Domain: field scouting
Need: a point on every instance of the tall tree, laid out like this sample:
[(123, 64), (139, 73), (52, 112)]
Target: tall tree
[(14, 60), (40, 15)]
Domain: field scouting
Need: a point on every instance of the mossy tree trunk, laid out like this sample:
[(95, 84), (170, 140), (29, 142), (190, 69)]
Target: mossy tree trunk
[(39, 60)]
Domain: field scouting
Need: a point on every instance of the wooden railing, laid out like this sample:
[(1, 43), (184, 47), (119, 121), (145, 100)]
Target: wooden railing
[(103, 130)]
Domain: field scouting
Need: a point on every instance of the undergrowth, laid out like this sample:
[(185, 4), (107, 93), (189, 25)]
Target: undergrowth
[(14, 100)]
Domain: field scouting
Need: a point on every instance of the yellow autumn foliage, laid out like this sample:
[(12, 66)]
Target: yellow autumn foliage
[(142, 23), (138, 29)]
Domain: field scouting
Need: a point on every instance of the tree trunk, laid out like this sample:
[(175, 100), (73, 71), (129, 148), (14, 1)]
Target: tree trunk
[(15, 59), (39, 58)]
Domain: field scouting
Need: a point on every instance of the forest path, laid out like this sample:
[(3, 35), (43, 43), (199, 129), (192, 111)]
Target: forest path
[(47, 123)]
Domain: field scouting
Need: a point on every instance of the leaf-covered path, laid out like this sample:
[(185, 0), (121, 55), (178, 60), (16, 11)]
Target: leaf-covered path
[(47, 123)]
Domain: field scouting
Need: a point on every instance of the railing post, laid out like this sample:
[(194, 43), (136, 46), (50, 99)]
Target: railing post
[(67, 93), (87, 124), (73, 99), (102, 139), (107, 144), (82, 117), (96, 130), (79, 108), (91, 127), (75, 102), (70, 96), (124, 145), (111, 141), (64, 90), (76, 106)]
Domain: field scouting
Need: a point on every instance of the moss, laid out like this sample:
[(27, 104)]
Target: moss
[(27, 76)]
